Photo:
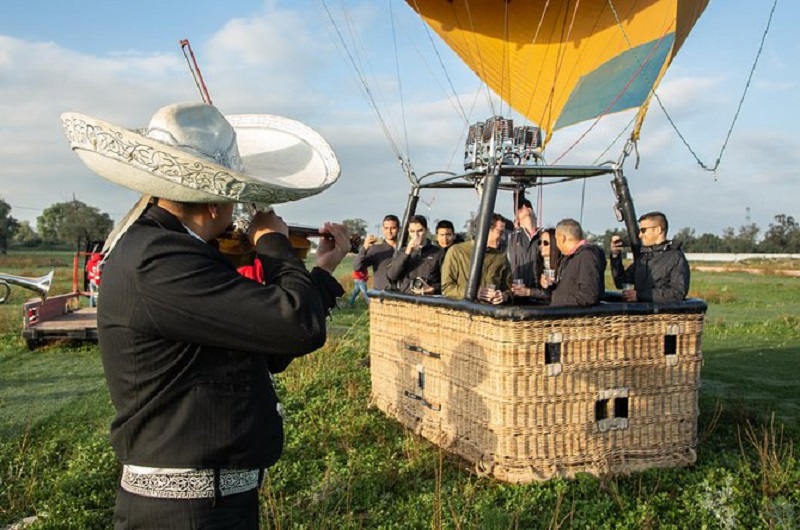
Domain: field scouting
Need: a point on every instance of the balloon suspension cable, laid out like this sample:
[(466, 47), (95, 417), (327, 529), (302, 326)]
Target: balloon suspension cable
[(631, 145), (195, 70), (713, 168), (408, 171)]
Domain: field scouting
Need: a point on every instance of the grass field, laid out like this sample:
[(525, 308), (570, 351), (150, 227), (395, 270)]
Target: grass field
[(348, 466)]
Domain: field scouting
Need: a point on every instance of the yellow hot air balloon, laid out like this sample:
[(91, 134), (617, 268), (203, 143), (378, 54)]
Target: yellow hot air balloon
[(560, 62)]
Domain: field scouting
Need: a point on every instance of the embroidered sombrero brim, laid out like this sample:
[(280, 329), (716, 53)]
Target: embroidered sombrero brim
[(284, 160)]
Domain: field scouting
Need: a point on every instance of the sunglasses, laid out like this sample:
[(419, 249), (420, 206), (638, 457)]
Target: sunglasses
[(544, 243), (644, 229)]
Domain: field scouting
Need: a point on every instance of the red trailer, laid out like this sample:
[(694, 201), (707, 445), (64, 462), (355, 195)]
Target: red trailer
[(64, 316)]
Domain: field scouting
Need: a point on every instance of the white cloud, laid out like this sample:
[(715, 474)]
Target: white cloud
[(284, 61)]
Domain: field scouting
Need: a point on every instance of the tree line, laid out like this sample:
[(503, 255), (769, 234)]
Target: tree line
[(71, 225), (74, 225)]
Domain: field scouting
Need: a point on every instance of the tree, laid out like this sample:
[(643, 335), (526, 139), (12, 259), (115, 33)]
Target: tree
[(707, 243), (471, 226), (73, 222), (743, 242), (604, 239), (356, 226), (26, 235), (686, 237), (782, 236), (8, 226)]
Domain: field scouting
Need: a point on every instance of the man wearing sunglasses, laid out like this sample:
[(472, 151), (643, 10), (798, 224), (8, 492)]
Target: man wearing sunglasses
[(661, 274)]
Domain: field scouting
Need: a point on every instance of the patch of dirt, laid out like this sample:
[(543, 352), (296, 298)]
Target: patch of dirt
[(775, 272)]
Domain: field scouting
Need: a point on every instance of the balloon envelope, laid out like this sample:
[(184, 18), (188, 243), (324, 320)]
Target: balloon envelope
[(560, 62)]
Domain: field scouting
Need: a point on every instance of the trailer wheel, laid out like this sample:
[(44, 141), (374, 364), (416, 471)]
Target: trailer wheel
[(32, 344)]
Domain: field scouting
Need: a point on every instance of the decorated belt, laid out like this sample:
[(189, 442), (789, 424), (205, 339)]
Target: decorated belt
[(192, 484)]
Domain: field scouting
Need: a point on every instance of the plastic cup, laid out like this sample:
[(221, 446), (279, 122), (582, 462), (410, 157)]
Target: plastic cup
[(519, 282), (627, 287)]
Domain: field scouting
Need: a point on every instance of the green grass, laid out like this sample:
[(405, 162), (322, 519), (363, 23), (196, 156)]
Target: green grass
[(39, 385), (348, 466), (740, 297), (754, 367)]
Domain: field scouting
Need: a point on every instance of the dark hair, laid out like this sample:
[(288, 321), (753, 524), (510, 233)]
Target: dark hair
[(444, 223), (392, 217), (555, 253), (497, 217), (658, 217), (524, 202), (419, 219)]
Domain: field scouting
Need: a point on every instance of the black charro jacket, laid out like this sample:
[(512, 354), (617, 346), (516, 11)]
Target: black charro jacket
[(188, 345), (661, 274), (580, 278)]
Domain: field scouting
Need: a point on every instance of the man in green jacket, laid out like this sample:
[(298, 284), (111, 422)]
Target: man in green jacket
[(496, 274)]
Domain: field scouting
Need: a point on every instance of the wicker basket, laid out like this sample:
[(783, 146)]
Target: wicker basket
[(532, 394)]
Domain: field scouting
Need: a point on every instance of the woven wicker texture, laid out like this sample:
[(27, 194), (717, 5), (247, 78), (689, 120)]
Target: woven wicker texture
[(536, 399)]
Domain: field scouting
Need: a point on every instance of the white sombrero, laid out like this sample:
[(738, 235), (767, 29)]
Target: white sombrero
[(190, 152)]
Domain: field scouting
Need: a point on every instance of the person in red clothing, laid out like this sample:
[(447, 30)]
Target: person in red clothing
[(93, 275), (360, 278)]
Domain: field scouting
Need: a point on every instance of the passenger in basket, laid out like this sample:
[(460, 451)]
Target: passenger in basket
[(495, 276), (188, 344), (548, 250), (446, 235), (579, 279), (524, 255), (418, 268), (661, 274), (378, 254)]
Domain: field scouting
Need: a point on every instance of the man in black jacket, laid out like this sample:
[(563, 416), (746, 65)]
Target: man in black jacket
[(418, 268), (378, 254), (579, 279), (661, 274), (189, 345)]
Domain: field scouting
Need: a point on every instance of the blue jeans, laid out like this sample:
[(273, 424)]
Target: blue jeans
[(360, 286)]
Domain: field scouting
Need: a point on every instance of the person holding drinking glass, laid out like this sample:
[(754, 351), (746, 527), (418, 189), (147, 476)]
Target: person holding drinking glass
[(661, 274)]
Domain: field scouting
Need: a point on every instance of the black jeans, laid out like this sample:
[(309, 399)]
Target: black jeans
[(235, 512)]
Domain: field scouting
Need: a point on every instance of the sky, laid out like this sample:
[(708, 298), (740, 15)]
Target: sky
[(121, 61)]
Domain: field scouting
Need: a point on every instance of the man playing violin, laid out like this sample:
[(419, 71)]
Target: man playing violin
[(188, 345)]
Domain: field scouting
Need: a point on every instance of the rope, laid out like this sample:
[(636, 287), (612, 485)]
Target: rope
[(583, 201), (622, 91), (505, 66), (738, 108), (459, 108), (399, 82), (614, 141), (560, 64), (533, 43), (365, 87), (669, 118), (480, 55)]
